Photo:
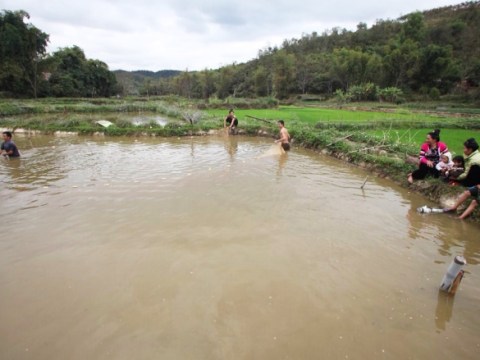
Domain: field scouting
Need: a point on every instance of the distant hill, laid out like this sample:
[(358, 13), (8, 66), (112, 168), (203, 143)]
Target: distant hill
[(431, 53), (133, 81)]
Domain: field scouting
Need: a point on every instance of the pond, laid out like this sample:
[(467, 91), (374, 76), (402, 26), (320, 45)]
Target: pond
[(201, 248)]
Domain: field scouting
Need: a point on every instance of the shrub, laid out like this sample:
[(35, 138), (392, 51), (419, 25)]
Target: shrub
[(342, 97), (434, 93), (390, 94), (363, 92)]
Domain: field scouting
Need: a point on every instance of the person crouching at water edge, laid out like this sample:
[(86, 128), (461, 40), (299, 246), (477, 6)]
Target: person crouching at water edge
[(8, 147), (474, 192), (284, 136), (430, 153), (231, 121)]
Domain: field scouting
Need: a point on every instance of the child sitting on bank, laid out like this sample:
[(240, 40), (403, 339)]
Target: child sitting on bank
[(445, 164), (457, 168)]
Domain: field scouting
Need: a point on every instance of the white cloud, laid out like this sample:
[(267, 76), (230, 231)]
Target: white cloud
[(180, 34)]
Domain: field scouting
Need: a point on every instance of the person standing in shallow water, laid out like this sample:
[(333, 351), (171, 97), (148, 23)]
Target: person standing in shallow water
[(8, 147), (284, 136), (430, 153)]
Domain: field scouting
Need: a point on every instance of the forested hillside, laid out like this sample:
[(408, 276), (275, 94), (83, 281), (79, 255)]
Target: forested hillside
[(427, 54), (27, 70), (431, 53)]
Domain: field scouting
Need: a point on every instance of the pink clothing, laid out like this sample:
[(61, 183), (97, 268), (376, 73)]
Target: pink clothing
[(434, 155)]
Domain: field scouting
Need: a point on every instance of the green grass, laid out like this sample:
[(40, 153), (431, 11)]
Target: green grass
[(454, 138), (398, 124), (314, 115)]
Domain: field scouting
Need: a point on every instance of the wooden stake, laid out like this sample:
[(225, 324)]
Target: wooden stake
[(361, 187), (456, 282)]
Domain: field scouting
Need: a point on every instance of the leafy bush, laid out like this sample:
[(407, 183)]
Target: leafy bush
[(363, 92), (342, 97), (391, 94), (434, 93)]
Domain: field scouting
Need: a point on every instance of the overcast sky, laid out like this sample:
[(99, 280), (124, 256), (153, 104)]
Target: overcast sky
[(187, 34)]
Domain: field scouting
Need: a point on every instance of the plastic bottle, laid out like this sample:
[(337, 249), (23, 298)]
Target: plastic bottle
[(453, 271), (427, 210), (424, 210)]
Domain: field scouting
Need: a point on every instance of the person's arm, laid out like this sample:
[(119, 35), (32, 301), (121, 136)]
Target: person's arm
[(9, 150), (282, 137), (421, 156), (464, 174), (225, 122)]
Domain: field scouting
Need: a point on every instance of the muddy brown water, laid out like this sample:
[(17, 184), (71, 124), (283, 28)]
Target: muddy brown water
[(198, 249)]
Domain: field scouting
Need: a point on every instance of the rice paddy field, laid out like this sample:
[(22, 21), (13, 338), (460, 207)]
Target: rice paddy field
[(313, 115), (402, 125)]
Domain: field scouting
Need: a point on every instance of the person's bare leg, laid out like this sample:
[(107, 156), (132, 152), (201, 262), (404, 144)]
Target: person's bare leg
[(461, 199), (410, 178)]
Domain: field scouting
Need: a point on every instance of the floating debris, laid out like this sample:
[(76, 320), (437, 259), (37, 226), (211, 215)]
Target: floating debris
[(104, 123), (427, 210)]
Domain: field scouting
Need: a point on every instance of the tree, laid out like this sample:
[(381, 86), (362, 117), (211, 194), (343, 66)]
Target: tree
[(353, 67), (413, 28), (73, 75), (208, 84), (435, 68), (22, 46), (401, 63), (99, 80), (284, 74)]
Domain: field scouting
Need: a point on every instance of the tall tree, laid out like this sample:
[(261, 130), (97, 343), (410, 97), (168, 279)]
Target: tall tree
[(72, 74), (22, 46), (284, 74)]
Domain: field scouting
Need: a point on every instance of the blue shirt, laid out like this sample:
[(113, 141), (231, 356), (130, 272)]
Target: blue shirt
[(9, 145)]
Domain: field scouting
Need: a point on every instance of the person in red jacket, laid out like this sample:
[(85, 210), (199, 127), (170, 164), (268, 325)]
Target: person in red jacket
[(430, 152)]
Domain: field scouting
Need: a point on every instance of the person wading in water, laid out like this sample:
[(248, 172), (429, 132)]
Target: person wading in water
[(284, 136), (8, 147)]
